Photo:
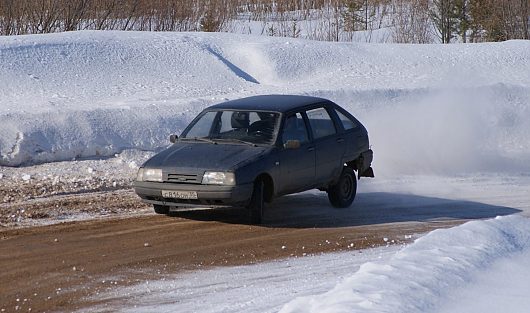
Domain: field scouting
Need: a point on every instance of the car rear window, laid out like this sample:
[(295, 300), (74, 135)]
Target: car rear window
[(347, 123)]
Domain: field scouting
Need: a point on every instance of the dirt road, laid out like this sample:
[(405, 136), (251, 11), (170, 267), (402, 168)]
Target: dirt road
[(56, 267)]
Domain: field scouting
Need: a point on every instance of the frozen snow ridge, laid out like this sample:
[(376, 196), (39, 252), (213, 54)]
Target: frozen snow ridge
[(91, 94), (418, 277)]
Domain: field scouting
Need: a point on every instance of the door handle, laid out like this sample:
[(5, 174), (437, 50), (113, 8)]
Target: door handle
[(311, 149), (340, 140)]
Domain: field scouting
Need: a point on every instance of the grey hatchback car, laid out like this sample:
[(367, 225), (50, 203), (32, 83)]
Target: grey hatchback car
[(248, 151)]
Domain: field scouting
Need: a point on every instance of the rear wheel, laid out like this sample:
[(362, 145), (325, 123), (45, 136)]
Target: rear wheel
[(342, 194), (255, 208), (161, 209)]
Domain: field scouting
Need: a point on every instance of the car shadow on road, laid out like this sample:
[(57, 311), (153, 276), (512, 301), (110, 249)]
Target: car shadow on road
[(312, 210)]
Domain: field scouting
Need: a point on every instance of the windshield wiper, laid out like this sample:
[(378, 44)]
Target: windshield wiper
[(200, 139), (236, 140)]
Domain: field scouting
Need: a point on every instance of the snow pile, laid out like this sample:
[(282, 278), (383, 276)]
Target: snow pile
[(501, 288), (262, 287), (418, 277), (86, 94)]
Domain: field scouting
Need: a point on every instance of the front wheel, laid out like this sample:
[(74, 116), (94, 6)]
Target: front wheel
[(161, 209), (342, 194), (255, 208)]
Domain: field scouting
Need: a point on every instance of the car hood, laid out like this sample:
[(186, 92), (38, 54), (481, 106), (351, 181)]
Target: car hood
[(193, 157)]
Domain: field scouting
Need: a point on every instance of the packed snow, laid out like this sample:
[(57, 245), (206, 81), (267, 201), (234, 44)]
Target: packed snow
[(465, 265), (419, 277), (502, 287), (93, 94), (260, 288), (462, 269)]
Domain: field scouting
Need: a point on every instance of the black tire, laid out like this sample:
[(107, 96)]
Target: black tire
[(161, 209), (342, 194), (257, 202)]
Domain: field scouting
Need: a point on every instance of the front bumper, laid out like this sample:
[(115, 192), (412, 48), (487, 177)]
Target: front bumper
[(208, 195)]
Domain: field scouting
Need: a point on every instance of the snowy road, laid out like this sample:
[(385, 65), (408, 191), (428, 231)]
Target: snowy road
[(259, 288), (84, 259), (267, 287), (477, 267), (420, 277)]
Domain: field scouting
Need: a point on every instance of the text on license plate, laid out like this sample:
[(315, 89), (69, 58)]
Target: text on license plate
[(179, 194)]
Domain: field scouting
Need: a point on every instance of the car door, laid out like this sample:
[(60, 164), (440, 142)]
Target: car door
[(329, 145), (297, 165), (356, 137)]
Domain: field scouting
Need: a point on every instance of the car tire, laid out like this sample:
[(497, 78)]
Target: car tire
[(342, 194), (257, 203), (161, 209)]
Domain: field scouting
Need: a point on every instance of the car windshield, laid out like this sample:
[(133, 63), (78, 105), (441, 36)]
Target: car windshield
[(253, 127)]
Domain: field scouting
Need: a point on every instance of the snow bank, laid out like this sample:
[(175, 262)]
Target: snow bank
[(418, 277), (503, 287), (85, 94), (257, 288)]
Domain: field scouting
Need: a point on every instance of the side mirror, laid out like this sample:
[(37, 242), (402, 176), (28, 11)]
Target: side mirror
[(173, 138), (292, 144)]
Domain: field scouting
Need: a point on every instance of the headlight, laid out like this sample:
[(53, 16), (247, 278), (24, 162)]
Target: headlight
[(149, 174), (219, 178)]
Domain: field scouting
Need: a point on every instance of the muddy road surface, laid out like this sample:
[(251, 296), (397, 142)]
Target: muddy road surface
[(60, 267)]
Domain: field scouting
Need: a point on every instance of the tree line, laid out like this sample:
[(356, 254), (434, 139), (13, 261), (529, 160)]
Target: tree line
[(409, 21), (489, 20)]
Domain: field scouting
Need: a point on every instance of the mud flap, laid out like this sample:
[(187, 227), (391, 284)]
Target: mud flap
[(369, 172), (364, 165)]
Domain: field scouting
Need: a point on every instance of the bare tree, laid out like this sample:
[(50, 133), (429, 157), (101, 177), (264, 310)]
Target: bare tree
[(332, 20), (7, 16), (525, 12), (444, 15), (411, 22), (74, 11), (103, 14), (355, 15)]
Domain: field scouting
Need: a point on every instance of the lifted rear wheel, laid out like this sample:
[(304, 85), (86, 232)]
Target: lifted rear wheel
[(342, 194), (161, 209)]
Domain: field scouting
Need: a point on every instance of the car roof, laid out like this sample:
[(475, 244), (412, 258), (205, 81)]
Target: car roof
[(276, 103)]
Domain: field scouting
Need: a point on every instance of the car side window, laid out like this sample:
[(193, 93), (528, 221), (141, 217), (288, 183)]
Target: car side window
[(347, 123), (321, 123), (294, 129)]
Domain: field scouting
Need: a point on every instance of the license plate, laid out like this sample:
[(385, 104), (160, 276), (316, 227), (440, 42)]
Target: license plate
[(179, 194)]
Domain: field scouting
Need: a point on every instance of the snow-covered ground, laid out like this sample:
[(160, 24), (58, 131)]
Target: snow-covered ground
[(480, 266), (262, 287), (449, 125), (420, 277), (461, 269), (92, 94)]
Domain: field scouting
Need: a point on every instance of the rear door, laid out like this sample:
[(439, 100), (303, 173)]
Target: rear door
[(329, 145), (355, 135)]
